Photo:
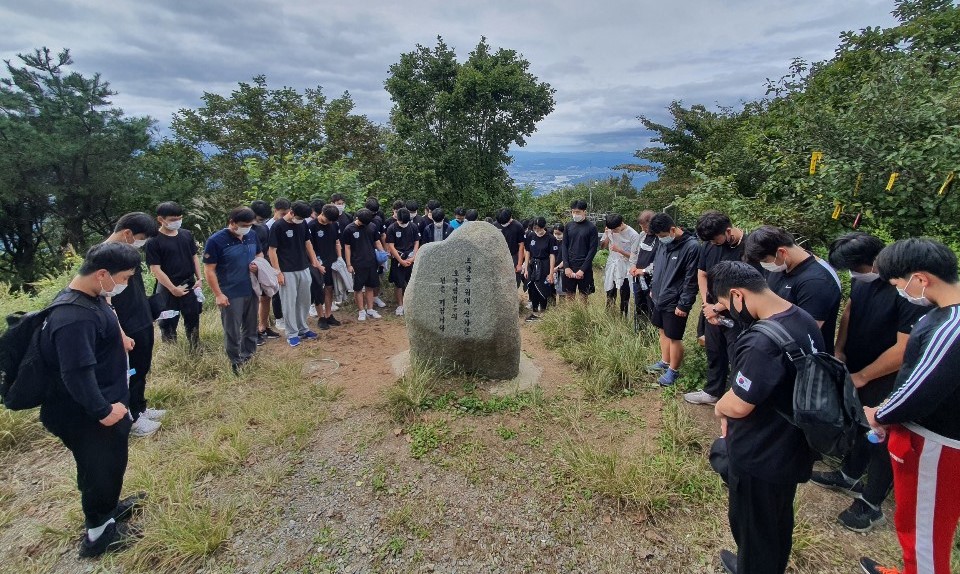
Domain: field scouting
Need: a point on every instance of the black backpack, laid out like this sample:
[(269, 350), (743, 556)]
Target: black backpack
[(26, 379), (825, 403)]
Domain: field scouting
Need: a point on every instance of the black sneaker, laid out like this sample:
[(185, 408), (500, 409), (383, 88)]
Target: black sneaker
[(129, 506), (116, 537), (532, 318), (322, 324), (271, 334), (332, 321), (729, 561), (834, 480), (261, 339), (871, 566), (861, 517)]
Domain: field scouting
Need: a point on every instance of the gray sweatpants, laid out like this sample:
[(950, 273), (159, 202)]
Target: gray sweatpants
[(295, 301), (239, 320)]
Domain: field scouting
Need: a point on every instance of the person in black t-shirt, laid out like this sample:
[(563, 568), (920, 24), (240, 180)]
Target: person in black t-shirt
[(540, 257), (87, 407), (873, 334), (291, 255), (136, 322), (437, 229), (768, 456), (798, 276), (579, 247), (172, 258), (360, 241), (721, 242), (397, 205), (402, 242), (513, 232), (261, 209), (344, 218), (325, 236)]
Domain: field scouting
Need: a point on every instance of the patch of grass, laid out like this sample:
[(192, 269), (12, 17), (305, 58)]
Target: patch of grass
[(427, 437), (410, 394), (179, 536), (675, 473), (19, 429), (474, 405), (506, 433)]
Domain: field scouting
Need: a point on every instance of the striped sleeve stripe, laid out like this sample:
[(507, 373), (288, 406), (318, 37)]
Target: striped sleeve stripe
[(943, 339)]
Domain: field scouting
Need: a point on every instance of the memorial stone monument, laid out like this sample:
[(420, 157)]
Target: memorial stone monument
[(461, 304)]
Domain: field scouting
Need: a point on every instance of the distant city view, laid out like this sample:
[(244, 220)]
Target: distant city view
[(547, 171)]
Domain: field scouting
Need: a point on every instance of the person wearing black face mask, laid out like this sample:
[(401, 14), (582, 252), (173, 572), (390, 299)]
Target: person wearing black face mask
[(873, 334), (768, 456)]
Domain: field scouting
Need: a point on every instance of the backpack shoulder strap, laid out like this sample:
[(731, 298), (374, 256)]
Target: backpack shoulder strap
[(79, 300), (775, 332)]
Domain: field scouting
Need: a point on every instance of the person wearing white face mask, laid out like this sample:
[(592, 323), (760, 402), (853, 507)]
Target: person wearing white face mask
[(871, 340), (136, 321), (402, 240), (919, 419), (173, 260), (798, 276), (87, 406), (291, 254), (577, 250), (228, 262)]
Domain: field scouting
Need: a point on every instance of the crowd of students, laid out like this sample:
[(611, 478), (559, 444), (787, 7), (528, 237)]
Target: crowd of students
[(294, 259)]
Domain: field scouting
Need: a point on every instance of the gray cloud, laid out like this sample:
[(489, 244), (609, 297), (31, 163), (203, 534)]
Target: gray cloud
[(609, 61)]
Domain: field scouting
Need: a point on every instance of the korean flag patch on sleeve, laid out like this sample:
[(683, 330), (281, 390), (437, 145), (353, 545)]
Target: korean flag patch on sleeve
[(743, 382)]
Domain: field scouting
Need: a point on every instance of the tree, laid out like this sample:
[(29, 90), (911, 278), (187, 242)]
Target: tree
[(456, 122), (67, 160)]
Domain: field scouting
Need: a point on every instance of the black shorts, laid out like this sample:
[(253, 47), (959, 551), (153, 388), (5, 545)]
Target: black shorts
[(585, 285), (400, 275), (316, 286), (365, 277), (666, 319)]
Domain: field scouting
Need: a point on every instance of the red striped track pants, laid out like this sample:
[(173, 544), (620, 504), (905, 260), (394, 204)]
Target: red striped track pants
[(926, 483)]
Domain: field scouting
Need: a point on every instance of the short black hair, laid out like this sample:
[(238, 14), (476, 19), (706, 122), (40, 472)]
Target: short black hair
[(337, 197), (459, 211), (261, 208), (437, 215), (472, 215), (488, 220), (403, 215), (432, 204), (540, 222), (412, 206), (365, 216), (907, 256), (281, 203), (330, 211), (504, 215), (169, 209), (399, 204), (317, 206), (137, 222), (241, 215), (854, 250), (711, 224), (112, 256), (661, 223), (613, 220), (728, 275), (764, 242), (373, 204), (578, 204), (301, 209), (558, 227)]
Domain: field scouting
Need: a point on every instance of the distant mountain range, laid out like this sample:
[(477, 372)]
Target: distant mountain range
[(547, 171)]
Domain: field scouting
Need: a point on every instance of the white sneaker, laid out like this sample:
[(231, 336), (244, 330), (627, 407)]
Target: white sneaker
[(334, 307), (373, 314), (379, 302), (362, 316), (400, 311), (144, 427), (312, 311), (700, 398), (154, 414), (529, 305)]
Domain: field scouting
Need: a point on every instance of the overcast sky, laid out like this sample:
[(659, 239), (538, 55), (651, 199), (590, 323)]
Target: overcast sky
[(608, 60)]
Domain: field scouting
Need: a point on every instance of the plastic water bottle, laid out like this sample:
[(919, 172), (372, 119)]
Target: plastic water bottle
[(168, 314), (728, 323), (643, 283), (876, 436), (199, 293)]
